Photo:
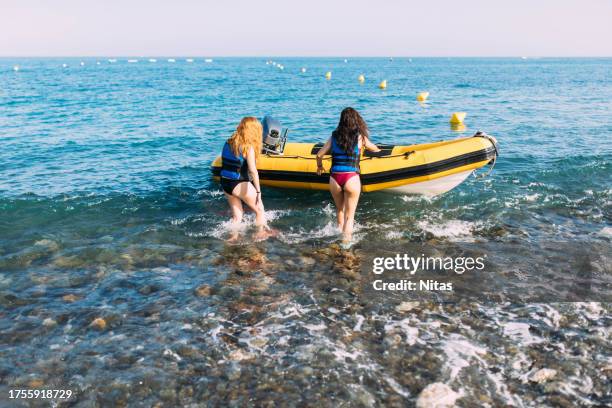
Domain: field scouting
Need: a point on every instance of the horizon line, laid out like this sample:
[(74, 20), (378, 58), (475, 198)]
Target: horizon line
[(297, 56)]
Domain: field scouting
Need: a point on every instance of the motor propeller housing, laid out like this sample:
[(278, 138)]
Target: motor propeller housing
[(274, 136)]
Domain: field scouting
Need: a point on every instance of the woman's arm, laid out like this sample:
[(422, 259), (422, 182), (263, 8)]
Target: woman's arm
[(369, 145), (253, 171), (322, 152)]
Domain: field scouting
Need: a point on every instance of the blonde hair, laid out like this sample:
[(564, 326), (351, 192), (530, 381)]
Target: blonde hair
[(248, 134)]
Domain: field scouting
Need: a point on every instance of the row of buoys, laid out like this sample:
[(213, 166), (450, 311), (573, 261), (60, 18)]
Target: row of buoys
[(456, 119), (276, 64), (361, 79), (152, 60), (421, 96), (16, 68)]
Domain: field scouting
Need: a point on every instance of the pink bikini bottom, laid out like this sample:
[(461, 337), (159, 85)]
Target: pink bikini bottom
[(342, 178)]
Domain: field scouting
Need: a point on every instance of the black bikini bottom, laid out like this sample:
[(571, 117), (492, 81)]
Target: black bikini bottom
[(228, 185)]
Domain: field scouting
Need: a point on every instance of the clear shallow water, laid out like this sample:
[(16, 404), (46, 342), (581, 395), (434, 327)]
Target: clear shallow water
[(107, 210)]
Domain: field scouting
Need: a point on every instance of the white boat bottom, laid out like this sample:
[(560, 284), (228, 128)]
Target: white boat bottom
[(432, 188)]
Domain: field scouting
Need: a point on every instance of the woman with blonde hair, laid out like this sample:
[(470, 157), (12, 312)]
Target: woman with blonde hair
[(239, 177)]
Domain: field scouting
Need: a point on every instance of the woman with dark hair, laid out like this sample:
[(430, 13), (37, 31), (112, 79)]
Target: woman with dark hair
[(346, 145)]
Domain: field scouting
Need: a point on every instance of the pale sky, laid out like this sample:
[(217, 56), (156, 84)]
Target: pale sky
[(306, 28)]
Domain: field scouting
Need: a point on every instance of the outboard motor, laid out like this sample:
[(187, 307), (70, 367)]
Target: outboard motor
[(274, 136)]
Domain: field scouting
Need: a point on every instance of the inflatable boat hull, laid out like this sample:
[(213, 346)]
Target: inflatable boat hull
[(427, 169)]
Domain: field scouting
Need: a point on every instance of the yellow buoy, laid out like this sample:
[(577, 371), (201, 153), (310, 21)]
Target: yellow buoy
[(422, 96), (383, 84), (458, 117), (458, 127), (328, 75), (361, 78)]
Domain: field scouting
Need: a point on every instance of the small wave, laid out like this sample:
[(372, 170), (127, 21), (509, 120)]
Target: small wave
[(459, 353), (411, 198), (519, 332), (329, 230), (210, 193), (394, 234), (454, 229), (606, 232), (229, 227)]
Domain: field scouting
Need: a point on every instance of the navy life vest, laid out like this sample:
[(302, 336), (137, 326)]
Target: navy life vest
[(342, 162), (233, 167)]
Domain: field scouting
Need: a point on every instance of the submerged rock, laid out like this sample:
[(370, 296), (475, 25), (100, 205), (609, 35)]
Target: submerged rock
[(233, 372), (307, 261), (69, 298), (259, 342), (437, 395), (48, 244), (542, 375), (36, 383), (203, 290), (68, 262), (239, 355), (392, 340), (98, 323), (406, 306)]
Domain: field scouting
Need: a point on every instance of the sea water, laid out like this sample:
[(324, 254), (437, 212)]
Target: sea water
[(108, 210)]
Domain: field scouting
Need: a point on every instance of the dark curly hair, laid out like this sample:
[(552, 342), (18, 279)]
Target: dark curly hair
[(350, 127)]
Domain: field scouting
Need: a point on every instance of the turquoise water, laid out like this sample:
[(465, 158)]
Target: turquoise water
[(107, 209)]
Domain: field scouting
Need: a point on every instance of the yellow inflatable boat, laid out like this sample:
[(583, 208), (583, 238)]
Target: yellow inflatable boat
[(428, 169)]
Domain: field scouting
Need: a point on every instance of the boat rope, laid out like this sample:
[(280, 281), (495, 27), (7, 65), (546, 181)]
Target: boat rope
[(492, 163), (491, 139), (404, 155)]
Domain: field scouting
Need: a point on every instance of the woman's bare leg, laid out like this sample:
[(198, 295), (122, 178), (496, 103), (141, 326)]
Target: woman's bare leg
[(236, 207), (246, 192), (352, 190), (338, 196)]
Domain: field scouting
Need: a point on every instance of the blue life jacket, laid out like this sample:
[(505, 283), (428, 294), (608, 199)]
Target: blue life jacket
[(342, 162), (233, 167)]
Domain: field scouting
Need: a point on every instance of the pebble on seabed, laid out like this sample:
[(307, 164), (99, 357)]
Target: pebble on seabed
[(70, 298), (406, 306), (203, 290), (239, 355), (36, 383), (437, 395), (543, 375), (98, 323)]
